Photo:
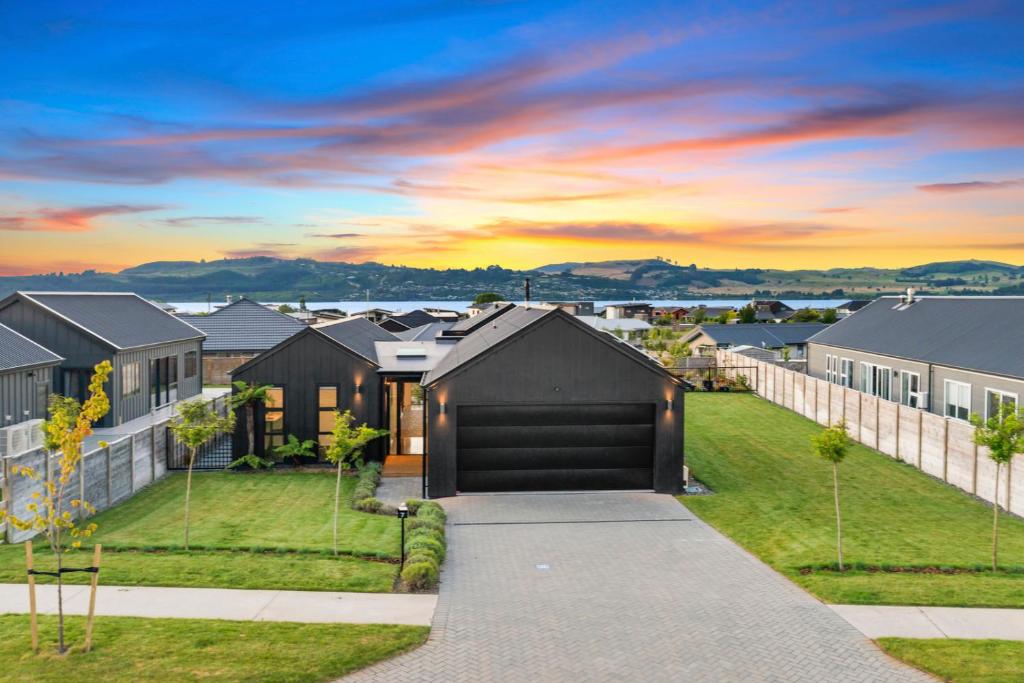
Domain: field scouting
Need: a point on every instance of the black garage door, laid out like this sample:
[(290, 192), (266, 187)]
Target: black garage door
[(555, 447)]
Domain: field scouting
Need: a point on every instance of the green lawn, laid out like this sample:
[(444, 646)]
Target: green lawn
[(265, 530), (126, 649), (977, 661), (775, 498)]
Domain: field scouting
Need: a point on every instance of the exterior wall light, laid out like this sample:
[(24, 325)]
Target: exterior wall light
[(443, 408), (359, 388), (668, 404)]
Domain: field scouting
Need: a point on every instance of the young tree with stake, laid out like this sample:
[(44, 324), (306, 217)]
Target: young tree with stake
[(69, 424), (196, 425), (832, 444), (1003, 435), (346, 449)]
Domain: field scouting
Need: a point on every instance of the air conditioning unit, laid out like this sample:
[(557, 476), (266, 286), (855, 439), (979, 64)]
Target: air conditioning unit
[(924, 401), (20, 438)]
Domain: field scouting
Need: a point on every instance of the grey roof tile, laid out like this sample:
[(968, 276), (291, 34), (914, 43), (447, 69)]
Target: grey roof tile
[(18, 351), (424, 332), (121, 319), (244, 326), (769, 335), (357, 334), (973, 333)]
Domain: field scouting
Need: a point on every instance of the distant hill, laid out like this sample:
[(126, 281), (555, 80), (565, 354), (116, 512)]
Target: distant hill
[(269, 278)]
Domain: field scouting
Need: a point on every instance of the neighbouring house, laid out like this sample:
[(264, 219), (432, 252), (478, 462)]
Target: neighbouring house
[(443, 314), (374, 315), (629, 329), (675, 313), (630, 310), (706, 313), (532, 399), (705, 339), (474, 310), (157, 358), (487, 314), (571, 307), (953, 356), (771, 311), (400, 322), (238, 332), (851, 307), (26, 377)]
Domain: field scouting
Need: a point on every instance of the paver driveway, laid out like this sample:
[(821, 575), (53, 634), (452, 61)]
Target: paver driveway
[(620, 586)]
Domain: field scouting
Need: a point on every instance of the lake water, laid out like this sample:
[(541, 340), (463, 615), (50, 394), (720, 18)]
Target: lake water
[(406, 306)]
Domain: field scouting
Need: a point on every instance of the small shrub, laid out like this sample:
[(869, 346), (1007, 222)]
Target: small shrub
[(425, 543), (253, 462), (370, 504), (427, 532), (414, 505), (420, 575), (429, 508), (425, 523), (423, 556)]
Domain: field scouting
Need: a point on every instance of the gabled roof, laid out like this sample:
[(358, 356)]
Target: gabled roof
[(761, 335), (357, 334), (514, 322), (119, 320), (244, 325), (18, 351), (413, 318), (612, 324), (973, 333), (855, 304), (424, 332), (467, 325)]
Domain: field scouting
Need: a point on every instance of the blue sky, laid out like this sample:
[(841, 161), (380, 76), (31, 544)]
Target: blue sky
[(456, 133)]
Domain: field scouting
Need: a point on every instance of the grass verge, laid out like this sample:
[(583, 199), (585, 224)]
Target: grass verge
[(130, 649), (977, 661), (774, 497), (263, 530)]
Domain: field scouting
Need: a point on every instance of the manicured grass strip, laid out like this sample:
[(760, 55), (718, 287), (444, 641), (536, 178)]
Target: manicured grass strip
[(775, 498), (977, 661), (128, 649), (200, 569), (272, 510)]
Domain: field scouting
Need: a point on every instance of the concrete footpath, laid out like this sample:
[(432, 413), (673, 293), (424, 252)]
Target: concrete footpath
[(312, 607), (882, 621)]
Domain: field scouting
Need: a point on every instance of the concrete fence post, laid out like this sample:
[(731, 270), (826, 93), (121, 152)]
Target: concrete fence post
[(81, 484), (945, 449), (828, 402), (131, 461), (5, 491), (878, 427), (110, 485), (920, 440), (899, 419), (152, 453), (974, 472)]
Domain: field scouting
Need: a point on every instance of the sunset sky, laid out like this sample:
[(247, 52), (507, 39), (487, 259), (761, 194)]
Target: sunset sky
[(758, 134)]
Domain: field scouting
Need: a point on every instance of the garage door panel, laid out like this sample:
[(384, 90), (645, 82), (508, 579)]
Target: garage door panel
[(555, 480), (555, 447), (504, 436), (533, 415), (598, 457)]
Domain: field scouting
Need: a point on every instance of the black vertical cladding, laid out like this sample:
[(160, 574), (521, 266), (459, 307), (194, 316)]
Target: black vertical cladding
[(557, 361), (299, 365)]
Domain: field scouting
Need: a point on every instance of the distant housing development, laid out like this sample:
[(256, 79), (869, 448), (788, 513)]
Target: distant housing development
[(952, 356)]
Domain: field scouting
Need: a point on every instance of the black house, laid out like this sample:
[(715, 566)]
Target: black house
[(156, 357), (528, 399), (26, 377)]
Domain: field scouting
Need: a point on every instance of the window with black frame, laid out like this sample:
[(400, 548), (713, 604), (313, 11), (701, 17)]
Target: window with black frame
[(273, 420), (327, 405)]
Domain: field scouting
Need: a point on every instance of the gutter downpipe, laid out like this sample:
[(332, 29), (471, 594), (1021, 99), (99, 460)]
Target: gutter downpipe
[(423, 464)]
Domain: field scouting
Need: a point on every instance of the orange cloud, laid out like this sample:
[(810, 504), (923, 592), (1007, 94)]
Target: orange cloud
[(69, 220)]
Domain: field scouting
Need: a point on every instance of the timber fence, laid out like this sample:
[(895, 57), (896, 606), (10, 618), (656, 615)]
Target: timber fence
[(940, 446)]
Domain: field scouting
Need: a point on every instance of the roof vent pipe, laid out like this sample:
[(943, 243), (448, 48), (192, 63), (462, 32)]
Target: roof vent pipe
[(910, 295), (527, 292), (229, 298)]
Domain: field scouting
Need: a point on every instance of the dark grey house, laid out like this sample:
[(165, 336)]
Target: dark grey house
[(239, 332), (26, 377), (400, 322), (952, 356), (314, 372), (157, 358), (523, 399)]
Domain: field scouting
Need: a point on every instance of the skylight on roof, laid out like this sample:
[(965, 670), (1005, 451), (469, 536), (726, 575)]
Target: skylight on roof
[(411, 352)]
